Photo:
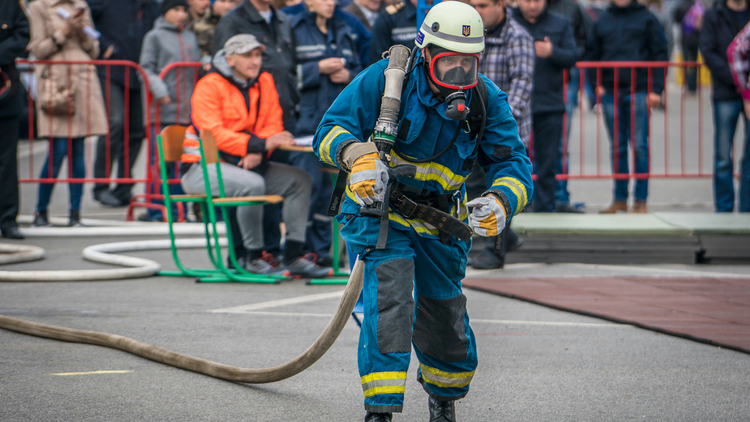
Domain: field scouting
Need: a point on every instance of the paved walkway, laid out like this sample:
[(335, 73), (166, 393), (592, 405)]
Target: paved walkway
[(713, 310)]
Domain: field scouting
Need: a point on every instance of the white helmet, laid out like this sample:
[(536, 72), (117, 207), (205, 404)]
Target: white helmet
[(453, 25)]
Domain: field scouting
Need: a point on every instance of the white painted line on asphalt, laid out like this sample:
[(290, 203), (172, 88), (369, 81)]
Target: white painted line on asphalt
[(280, 302), (290, 314), (549, 323), (66, 374)]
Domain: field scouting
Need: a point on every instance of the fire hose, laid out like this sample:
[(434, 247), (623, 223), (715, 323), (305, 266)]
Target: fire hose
[(139, 267)]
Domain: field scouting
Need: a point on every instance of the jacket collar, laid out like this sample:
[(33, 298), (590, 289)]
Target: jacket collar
[(255, 16), (632, 7), (519, 16)]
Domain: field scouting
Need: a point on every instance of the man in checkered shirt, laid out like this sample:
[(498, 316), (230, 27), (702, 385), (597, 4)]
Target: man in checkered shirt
[(508, 61)]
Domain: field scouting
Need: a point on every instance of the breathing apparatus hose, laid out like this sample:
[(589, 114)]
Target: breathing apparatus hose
[(202, 366)]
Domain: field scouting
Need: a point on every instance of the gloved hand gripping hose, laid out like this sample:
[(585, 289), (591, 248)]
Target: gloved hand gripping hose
[(202, 366)]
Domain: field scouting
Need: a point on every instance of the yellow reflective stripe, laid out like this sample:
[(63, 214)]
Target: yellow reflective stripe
[(433, 172), (384, 383), (385, 390), (383, 376), (445, 379), (325, 147), (417, 225), (518, 189)]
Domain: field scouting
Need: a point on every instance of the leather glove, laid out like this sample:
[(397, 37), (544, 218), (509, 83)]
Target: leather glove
[(368, 179), (488, 216)]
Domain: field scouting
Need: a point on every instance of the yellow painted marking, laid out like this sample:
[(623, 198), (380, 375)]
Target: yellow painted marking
[(65, 374)]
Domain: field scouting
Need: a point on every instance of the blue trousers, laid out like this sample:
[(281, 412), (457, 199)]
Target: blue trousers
[(412, 295), (318, 236), (619, 153), (59, 151), (562, 196), (726, 114)]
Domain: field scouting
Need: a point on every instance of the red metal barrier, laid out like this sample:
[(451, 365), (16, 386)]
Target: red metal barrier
[(67, 64), (676, 156)]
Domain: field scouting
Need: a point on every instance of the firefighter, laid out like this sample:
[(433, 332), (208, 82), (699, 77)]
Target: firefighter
[(412, 285)]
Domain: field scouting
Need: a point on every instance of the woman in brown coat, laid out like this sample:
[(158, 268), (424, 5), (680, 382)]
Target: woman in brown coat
[(69, 98)]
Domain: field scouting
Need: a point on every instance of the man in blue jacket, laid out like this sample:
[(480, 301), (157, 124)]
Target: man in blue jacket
[(395, 25), (556, 50), (123, 25), (426, 243), (721, 23), (327, 61), (627, 31), (360, 33)]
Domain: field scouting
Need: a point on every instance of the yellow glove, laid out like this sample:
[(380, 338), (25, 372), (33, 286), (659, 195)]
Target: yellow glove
[(368, 179), (488, 216)]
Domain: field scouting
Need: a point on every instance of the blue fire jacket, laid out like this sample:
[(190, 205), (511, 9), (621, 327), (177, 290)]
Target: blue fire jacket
[(501, 153)]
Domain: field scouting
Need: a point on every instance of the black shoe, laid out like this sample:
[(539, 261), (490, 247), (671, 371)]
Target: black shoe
[(513, 240), (109, 199), (75, 219), (487, 260), (442, 411), (302, 267), (378, 417), (12, 233), (40, 219), (567, 208)]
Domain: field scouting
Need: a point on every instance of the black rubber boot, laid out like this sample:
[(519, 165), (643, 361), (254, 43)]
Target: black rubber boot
[(75, 219), (442, 411), (40, 219), (378, 417)]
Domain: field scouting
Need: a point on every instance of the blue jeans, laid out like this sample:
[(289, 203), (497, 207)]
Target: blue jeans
[(726, 114), (59, 151), (619, 156)]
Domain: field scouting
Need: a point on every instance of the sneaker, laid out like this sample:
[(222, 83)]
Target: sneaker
[(303, 267), (487, 260), (40, 219), (259, 266)]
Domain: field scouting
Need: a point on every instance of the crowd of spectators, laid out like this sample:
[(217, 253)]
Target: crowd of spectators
[(312, 49)]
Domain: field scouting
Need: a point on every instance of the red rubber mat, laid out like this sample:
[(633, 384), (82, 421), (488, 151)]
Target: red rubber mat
[(711, 310)]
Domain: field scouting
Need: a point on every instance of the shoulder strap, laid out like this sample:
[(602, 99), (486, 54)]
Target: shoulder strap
[(476, 118)]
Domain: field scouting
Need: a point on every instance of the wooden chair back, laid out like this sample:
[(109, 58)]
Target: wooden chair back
[(210, 150), (171, 142)]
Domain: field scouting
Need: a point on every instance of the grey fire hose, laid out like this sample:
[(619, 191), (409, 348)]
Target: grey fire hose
[(202, 366)]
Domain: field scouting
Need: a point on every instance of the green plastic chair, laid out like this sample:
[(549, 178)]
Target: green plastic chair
[(210, 156), (170, 142)]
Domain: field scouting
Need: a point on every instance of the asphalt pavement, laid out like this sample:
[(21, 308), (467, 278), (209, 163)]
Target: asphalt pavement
[(536, 364)]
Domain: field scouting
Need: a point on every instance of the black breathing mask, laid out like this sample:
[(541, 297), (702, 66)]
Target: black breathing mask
[(453, 74)]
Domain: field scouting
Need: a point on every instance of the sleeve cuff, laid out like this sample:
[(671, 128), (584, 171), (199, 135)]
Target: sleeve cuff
[(503, 200), (255, 144), (350, 150)]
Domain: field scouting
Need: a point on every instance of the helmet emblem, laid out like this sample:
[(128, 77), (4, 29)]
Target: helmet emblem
[(466, 30)]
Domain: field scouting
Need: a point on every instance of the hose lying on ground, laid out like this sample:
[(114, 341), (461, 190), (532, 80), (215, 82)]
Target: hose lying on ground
[(103, 254), (202, 366), (14, 253)]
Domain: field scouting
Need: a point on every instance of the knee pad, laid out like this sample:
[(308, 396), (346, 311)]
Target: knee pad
[(439, 330), (395, 305)]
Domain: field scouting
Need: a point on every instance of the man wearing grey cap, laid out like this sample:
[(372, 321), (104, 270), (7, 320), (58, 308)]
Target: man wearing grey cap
[(239, 105)]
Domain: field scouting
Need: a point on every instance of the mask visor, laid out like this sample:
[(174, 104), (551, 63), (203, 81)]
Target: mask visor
[(455, 70)]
